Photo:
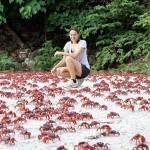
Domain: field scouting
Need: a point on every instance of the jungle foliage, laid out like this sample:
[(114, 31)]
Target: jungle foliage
[(45, 59), (117, 31), (8, 64)]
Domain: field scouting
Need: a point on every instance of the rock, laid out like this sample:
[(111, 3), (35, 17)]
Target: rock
[(22, 56), (92, 59), (33, 54)]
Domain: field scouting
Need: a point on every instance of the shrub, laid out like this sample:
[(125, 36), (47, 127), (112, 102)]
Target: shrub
[(45, 60), (8, 63)]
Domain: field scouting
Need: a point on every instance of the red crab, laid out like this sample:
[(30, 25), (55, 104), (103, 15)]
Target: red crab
[(113, 115), (43, 134), (138, 139), (103, 107), (94, 123), (100, 145), (7, 132), (145, 108), (83, 146), (84, 125), (141, 147), (61, 148), (25, 133), (59, 128), (50, 137), (86, 115), (105, 128), (8, 140), (115, 133), (70, 120)]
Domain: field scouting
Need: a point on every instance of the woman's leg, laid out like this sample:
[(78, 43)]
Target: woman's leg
[(62, 71), (74, 67)]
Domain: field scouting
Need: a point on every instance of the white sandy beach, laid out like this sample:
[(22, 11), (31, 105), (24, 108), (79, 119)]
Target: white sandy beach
[(128, 124)]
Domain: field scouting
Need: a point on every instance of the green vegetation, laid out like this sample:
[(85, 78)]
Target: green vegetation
[(138, 66), (45, 58), (7, 63), (118, 32)]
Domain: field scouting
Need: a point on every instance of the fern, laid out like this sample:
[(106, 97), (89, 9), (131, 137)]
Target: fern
[(45, 60), (7, 63)]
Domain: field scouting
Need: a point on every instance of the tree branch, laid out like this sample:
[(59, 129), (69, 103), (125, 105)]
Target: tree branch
[(15, 36)]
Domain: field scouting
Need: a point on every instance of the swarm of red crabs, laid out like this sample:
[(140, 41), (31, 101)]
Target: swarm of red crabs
[(23, 99)]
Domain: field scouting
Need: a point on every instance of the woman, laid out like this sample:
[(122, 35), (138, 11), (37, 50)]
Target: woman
[(75, 61)]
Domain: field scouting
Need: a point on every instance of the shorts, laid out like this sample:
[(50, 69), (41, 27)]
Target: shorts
[(85, 72)]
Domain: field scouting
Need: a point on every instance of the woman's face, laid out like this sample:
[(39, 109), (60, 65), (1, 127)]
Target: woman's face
[(74, 36)]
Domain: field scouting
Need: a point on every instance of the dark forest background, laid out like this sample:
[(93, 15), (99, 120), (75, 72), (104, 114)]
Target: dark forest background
[(117, 33)]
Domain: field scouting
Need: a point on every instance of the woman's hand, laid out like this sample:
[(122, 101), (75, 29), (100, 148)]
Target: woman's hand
[(53, 70), (57, 53)]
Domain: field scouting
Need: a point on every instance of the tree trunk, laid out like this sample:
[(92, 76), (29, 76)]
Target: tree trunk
[(15, 36)]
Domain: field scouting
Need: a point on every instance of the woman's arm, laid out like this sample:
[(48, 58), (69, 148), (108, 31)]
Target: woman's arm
[(75, 55), (61, 62)]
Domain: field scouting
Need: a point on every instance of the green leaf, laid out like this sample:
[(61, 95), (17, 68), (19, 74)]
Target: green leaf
[(1, 8), (10, 1), (20, 1), (2, 20)]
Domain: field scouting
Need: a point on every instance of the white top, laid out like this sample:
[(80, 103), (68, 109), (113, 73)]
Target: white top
[(82, 58)]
